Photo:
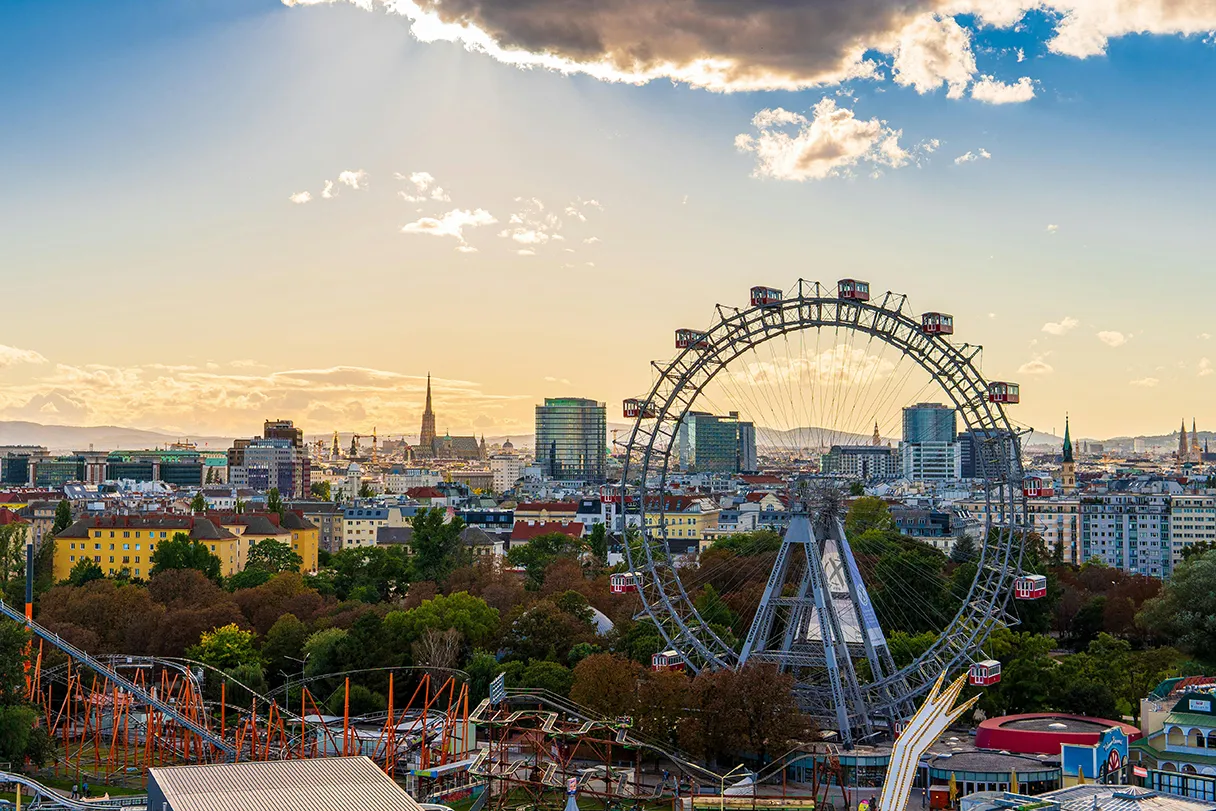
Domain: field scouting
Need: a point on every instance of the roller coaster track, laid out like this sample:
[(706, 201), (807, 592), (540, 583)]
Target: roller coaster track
[(46, 797), (84, 659)]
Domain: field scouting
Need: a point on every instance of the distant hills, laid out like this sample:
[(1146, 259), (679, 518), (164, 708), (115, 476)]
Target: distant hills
[(65, 438)]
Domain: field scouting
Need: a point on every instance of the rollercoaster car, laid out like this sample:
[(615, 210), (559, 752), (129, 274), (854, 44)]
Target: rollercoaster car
[(694, 338), (937, 324), (853, 290), (624, 582), (765, 296), (634, 409), (1001, 392), (1030, 587), (985, 673), (667, 660)]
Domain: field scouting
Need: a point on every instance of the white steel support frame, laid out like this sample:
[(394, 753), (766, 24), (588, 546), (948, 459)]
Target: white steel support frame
[(889, 695)]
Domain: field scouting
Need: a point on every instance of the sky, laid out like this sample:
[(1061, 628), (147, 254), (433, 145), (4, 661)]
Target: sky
[(214, 212)]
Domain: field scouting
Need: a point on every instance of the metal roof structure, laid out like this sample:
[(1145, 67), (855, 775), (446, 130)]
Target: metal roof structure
[(320, 784)]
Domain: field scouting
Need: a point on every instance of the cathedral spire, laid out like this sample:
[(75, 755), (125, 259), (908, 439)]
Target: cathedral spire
[(876, 440), (426, 437), (1183, 448)]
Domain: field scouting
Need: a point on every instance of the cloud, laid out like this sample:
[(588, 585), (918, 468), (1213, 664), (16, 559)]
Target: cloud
[(1204, 336), (1052, 228), (738, 45), (1144, 382), (1205, 367), (354, 179), (1036, 366), (969, 157), (196, 401), (12, 356), (526, 252), (466, 249), (833, 141), (451, 224), (1066, 324), (591, 240), (1111, 338), (934, 51), (991, 91), (535, 225), (328, 192), (301, 197)]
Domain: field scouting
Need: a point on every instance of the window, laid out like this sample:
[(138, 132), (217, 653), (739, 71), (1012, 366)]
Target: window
[(96, 533)]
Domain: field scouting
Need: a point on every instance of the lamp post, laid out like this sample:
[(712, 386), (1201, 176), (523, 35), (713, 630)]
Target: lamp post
[(722, 780)]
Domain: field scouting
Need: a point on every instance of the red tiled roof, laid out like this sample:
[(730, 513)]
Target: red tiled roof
[(423, 492), (548, 506), (762, 479), (7, 517), (526, 531)]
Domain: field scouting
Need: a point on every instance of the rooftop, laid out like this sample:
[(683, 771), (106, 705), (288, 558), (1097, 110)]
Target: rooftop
[(319, 784)]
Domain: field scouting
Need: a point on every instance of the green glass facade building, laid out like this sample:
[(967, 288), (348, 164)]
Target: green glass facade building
[(572, 439)]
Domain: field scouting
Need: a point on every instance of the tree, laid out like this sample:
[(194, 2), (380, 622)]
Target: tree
[(476, 621), (1089, 698), (274, 501), (438, 549), (198, 504), (63, 516), (547, 676), (438, 649), (606, 683), (857, 489), (1185, 613), (1087, 623), (225, 648), (546, 631), (321, 650), (366, 491), (273, 556), (744, 544), (1197, 549), (183, 553), (537, 554), (386, 570), (482, 667), (248, 578), (963, 550), (597, 543), (750, 711), (85, 571), (868, 513), (321, 490), (12, 550), (284, 643)]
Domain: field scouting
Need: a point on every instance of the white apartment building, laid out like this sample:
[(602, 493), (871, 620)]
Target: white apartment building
[(1192, 521), (1058, 521), (506, 469), (360, 525), (1130, 532), (398, 479), (930, 461)]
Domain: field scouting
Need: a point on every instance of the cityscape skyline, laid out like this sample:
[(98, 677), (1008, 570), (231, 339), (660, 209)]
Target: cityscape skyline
[(993, 216)]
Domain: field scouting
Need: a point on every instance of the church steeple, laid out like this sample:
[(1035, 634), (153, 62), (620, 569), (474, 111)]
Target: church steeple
[(1183, 447), (1068, 470), (426, 437), (876, 440)]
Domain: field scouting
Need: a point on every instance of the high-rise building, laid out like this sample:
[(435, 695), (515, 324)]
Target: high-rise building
[(713, 444), (929, 422), (426, 437), (279, 459), (572, 438), (929, 450)]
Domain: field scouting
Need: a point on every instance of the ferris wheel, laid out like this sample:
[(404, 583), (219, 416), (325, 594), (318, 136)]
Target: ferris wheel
[(808, 370)]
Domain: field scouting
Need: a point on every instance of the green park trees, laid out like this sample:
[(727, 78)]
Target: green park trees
[(181, 552)]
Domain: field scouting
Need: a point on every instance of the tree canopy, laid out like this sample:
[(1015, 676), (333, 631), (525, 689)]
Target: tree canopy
[(273, 556), (181, 552)]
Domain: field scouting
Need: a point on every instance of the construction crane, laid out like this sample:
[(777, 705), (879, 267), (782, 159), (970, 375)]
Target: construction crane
[(354, 443)]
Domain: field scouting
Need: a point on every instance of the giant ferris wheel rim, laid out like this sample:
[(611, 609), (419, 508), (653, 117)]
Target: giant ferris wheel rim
[(680, 382)]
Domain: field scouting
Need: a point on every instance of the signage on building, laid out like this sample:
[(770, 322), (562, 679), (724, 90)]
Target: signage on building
[(1200, 705), (498, 689), (1139, 771)]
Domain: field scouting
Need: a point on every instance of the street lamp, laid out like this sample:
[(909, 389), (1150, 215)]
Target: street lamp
[(722, 780)]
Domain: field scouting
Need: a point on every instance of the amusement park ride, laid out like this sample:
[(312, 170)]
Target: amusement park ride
[(816, 620)]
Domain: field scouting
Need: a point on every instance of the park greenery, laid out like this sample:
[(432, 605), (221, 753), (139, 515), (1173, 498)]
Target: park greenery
[(1097, 643)]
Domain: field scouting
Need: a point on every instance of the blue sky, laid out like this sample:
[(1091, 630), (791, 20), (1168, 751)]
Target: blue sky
[(149, 152)]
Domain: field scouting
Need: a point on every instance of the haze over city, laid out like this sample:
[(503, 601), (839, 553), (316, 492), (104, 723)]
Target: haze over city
[(215, 212)]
